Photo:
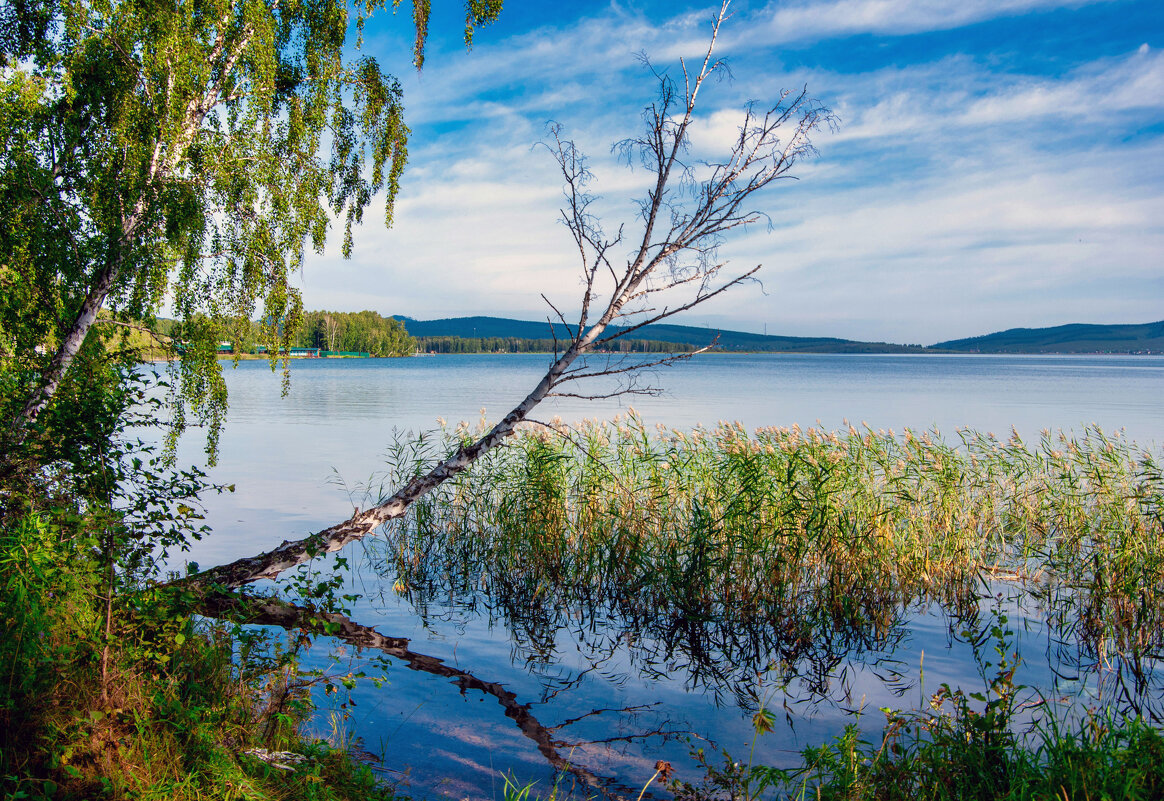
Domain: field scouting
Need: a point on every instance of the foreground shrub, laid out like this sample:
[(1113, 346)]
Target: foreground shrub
[(151, 703)]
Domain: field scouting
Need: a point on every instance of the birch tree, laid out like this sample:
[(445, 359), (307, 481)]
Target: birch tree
[(192, 149), (672, 264)]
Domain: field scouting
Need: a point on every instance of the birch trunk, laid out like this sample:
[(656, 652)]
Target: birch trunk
[(70, 346)]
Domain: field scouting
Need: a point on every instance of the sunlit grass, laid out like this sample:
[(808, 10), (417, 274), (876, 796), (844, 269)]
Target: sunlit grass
[(787, 549), (784, 522), (185, 710)]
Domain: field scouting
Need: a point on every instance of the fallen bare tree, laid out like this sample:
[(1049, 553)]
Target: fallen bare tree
[(672, 266)]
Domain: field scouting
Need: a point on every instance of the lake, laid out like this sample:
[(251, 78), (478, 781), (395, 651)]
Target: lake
[(613, 696)]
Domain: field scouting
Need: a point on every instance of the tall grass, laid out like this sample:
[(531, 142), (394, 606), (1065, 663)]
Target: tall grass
[(783, 540)]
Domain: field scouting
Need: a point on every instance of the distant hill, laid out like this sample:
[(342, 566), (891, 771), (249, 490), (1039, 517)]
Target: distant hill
[(501, 327), (1074, 338)]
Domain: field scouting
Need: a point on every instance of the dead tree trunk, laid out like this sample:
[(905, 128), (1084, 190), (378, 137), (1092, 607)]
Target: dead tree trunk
[(672, 267)]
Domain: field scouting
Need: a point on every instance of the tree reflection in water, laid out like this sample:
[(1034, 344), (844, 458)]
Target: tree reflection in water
[(785, 567), (805, 645)]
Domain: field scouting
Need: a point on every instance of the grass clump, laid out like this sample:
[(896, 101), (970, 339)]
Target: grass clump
[(949, 755), (151, 704), (959, 749), (826, 532), (1004, 742)]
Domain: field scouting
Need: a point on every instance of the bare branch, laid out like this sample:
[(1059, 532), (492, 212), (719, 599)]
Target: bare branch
[(638, 367), (684, 307), (161, 339), (657, 267), (618, 393), (559, 316)]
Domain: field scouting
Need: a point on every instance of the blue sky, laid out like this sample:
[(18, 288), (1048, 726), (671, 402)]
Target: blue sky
[(999, 163)]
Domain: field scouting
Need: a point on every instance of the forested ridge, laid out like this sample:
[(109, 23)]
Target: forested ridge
[(459, 344), (1072, 338)]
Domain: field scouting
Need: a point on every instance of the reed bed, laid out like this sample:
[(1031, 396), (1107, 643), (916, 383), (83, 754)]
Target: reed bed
[(815, 534)]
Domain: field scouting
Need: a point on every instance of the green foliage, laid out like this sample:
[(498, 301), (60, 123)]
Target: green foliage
[(513, 790), (92, 458), (165, 707), (189, 150), (361, 332), (48, 615), (188, 728), (110, 687)]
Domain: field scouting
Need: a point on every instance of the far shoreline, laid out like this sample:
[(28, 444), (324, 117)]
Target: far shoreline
[(262, 357)]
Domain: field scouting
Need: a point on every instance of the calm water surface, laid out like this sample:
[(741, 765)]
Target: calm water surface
[(300, 462)]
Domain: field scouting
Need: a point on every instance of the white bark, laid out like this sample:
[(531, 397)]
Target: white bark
[(163, 161), (758, 158)]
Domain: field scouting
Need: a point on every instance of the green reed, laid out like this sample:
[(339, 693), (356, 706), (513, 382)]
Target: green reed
[(798, 524)]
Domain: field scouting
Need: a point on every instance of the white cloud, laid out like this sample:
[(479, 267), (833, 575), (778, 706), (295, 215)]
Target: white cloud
[(914, 102), (957, 198), (930, 259), (784, 22)]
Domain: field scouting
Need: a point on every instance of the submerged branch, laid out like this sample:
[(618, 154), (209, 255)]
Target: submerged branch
[(270, 611)]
